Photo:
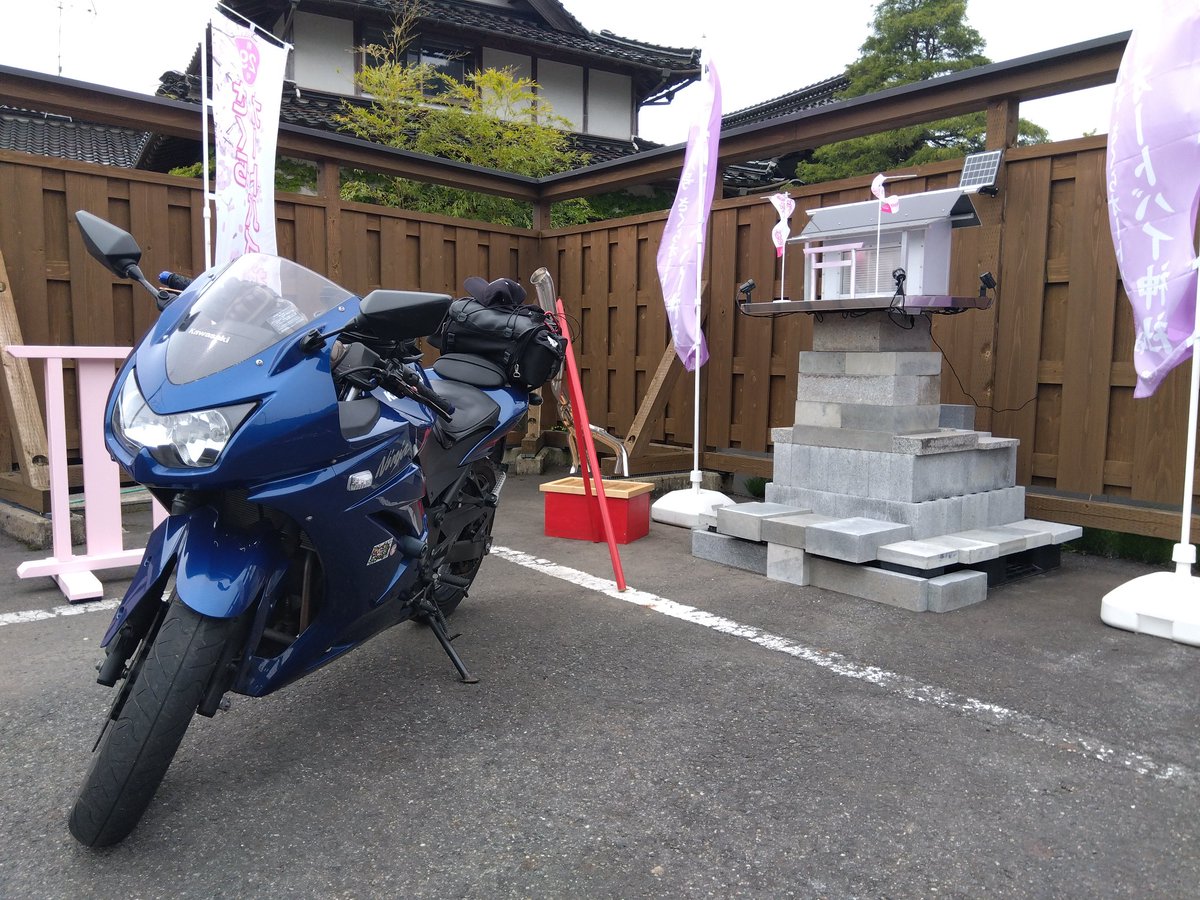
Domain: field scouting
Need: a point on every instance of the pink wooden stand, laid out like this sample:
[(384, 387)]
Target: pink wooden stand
[(95, 368)]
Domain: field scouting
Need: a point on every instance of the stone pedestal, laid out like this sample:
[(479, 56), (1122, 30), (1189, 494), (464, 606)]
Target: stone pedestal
[(872, 494)]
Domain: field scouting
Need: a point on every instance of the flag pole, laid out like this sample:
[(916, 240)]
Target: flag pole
[(1184, 554), (1154, 130), (697, 478), (205, 106), (1167, 604), (686, 507)]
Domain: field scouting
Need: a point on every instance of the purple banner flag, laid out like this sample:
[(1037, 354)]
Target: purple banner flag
[(681, 253), (1154, 184), (247, 88)]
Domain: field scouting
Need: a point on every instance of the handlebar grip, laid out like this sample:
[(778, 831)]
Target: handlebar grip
[(440, 405), (174, 280)]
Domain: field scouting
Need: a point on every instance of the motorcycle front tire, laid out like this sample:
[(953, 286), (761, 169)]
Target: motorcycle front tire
[(137, 748)]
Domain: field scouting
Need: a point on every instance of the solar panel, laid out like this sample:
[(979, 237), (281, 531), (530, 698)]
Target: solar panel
[(979, 170)]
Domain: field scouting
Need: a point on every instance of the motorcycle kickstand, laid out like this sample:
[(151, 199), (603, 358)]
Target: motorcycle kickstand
[(437, 623)]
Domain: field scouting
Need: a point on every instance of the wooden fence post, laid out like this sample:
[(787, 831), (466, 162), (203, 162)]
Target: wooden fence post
[(20, 400)]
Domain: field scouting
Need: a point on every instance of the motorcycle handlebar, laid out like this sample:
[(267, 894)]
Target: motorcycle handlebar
[(408, 382), (174, 280)]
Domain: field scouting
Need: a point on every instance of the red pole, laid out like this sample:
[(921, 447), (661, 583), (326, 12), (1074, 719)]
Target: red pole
[(589, 464)]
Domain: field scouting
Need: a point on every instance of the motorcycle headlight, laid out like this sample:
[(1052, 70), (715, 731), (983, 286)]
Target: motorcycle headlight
[(194, 439)]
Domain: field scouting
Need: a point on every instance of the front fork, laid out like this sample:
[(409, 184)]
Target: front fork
[(217, 570)]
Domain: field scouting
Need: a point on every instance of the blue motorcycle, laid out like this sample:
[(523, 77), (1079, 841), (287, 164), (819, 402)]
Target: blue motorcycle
[(322, 486)]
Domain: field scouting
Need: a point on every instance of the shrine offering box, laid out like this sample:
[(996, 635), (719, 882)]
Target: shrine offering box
[(569, 513)]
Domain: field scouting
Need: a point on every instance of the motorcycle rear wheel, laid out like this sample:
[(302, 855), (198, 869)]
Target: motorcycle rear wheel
[(137, 748)]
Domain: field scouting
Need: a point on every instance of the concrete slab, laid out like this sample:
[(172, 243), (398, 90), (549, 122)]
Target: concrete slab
[(969, 551), (855, 539), (918, 554), (790, 530), (954, 590), (1007, 540), (869, 583), (730, 551), (788, 564), (745, 520)]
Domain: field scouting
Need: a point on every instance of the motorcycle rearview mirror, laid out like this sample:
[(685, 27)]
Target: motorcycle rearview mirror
[(118, 251)]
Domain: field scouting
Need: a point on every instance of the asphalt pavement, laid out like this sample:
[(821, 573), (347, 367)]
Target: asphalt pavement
[(707, 733)]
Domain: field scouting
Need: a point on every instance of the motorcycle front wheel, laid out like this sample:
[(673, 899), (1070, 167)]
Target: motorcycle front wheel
[(136, 749)]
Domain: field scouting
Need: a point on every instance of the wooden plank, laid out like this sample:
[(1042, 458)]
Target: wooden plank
[(595, 338), (20, 398), (1019, 297), (1160, 443), (749, 395), (1088, 360), (733, 460), (1101, 513), (13, 489), (622, 336), (91, 284), (641, 430), (329, 188), (719, 328), (660, 459)]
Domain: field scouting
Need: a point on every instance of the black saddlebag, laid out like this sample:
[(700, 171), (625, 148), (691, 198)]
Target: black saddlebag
[(521, 339)]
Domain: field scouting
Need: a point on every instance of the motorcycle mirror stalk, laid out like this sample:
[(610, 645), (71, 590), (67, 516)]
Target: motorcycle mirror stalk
[(119, 253)]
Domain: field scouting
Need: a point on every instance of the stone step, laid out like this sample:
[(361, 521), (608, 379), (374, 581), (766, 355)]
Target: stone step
[(729, 551), (745, 520), (976, 545), (790, 531), (856, 539)]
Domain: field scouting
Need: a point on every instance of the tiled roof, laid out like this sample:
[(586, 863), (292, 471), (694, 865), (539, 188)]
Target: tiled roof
[(314, 109), (66, 138), (547, 24), (820, 94), (542, 25)]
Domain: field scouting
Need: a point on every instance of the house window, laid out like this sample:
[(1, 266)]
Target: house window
[(450, 60)]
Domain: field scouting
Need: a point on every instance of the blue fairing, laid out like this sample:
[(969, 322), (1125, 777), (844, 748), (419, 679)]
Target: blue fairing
[(219, 571), (287, 476)]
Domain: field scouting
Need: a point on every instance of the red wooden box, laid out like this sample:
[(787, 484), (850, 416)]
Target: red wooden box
[(568, 514)]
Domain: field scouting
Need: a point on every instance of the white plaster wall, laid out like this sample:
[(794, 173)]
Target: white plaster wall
[(502, 59), (324, 55), (610, 101), (562, 86)]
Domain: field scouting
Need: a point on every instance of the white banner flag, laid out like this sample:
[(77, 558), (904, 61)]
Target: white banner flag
[(247, 81)]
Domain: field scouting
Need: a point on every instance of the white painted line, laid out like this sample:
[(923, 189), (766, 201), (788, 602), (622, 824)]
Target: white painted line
[(1040, 730), (38, 615)]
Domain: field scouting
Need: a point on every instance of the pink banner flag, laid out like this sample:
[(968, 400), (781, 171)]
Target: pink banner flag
[(886, 204), (681, 253), (785, 206), (1154, 184), (247, 87)]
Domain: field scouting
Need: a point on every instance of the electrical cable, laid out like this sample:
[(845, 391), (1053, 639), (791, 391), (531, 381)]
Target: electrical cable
[(967, 393)]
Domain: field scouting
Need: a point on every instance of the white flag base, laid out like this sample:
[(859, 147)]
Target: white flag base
[(684, 508), (1162, 604)]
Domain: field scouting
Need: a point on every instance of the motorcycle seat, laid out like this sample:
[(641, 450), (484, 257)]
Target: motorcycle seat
[(470, 369), (473, 409)]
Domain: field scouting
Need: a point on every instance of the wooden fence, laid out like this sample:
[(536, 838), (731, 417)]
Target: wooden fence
[(1050, 362)]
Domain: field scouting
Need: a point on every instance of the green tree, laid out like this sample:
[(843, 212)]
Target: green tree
[(910, 40), (493, 119)]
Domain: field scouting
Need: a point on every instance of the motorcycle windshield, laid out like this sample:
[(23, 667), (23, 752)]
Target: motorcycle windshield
[(253, 303)]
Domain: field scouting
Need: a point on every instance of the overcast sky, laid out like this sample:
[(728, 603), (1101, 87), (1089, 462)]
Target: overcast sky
[(762, 48)]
